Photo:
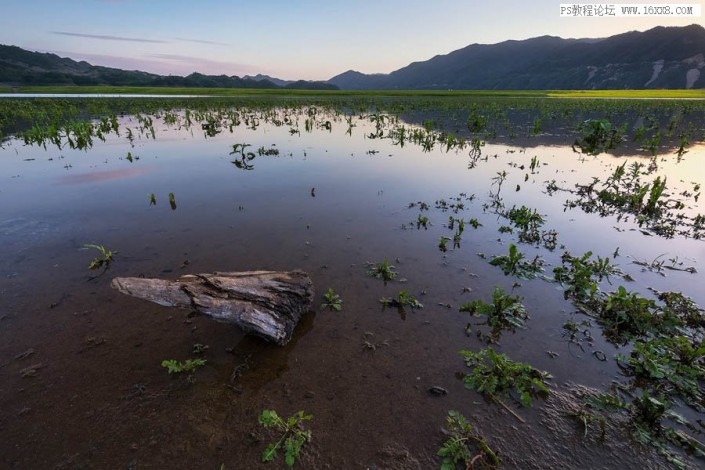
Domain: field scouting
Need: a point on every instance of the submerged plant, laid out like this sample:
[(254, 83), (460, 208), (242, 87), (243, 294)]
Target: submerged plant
[(465, 446), (514, 264), (648, 423), (332, 301), (383, 270), (528, 221), (673, 365), (292, 435), (598, 135), (403, 299), (580, 275), (188, 366), (506, 312), (102, 261)]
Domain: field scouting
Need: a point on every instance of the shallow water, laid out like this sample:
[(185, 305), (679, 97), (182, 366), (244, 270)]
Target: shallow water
[(327, 204)]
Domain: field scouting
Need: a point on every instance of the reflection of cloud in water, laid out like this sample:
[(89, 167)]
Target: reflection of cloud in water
[(104, 175)]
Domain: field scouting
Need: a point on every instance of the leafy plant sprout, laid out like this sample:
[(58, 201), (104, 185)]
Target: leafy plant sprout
[(465, 446), (514, 264), (292, 435), (495, 375), (188, 366), (332, 301), (383, 270), (102, 261), (442, 244), (403, 299), (506, 312)]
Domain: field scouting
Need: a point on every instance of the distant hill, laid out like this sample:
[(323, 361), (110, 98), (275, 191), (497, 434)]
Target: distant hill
[(260, 77), (661, 57), (21, 67)]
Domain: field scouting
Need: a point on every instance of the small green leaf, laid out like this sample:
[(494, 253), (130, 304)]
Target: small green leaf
[(270, 453)]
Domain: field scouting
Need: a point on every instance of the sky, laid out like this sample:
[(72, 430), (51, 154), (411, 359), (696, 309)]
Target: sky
[(293, 39)]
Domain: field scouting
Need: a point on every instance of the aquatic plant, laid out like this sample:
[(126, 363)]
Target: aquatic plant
[(513, 263), (648, 421), (495, 375), (332, 301), (465, 446), (291, 435), (403, 299), (528, 221), (672, 365), (188, 366), (422, 221), (580, 275), (383, 270), (598, 135), (505, 312), (102, 261)]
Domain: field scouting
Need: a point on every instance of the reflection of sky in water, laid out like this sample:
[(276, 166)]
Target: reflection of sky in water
[(356, 193), (52, 202)]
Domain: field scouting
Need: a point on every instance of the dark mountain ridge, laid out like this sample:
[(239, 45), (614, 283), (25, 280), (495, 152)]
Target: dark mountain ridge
[(21, 67), (662, 57)]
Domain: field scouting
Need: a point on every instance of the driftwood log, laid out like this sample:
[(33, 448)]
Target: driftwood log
[(268, 304)]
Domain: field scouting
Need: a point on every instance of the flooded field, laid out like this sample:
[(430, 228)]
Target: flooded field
[(502, 226)]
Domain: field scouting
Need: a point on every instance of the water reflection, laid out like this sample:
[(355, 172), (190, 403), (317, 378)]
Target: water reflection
[(104, 175), (337, 196)]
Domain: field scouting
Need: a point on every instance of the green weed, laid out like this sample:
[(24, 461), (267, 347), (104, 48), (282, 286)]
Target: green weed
[(598, 135), (506, 312), (465, 446), (189, 366), (332, 301), (495, 375), (292, 435), (102, 261), (383, 270), (403, 299), (514, 264)]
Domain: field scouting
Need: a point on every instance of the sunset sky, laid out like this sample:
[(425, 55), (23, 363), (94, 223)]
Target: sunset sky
[(294, 39)]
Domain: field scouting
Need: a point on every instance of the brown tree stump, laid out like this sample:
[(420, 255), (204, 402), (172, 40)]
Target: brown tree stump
[(268, 304)]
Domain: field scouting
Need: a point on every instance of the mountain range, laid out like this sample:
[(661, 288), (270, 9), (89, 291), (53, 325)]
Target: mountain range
[(21, 67), (662, 57)]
